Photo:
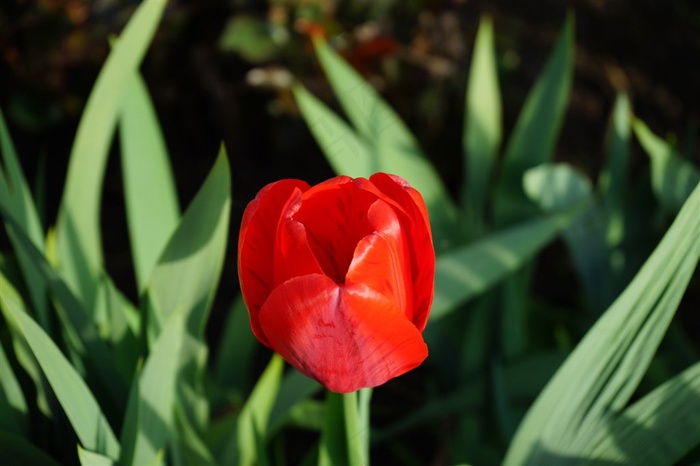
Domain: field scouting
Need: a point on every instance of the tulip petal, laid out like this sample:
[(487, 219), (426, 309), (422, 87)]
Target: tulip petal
[(420, 244), (293, 256), (380, 260), (335, 218), (256, 245), (346, 337)]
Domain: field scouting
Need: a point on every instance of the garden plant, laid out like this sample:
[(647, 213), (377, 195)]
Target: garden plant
[(377, 274)]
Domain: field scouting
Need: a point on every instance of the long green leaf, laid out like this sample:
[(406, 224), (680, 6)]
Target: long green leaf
[(389, 141), (149, 190), (672, 177), (13, 405), (658, 429), (465, 272), (595, 383), (482, 124), (149, 422), (345, 150), (185, 278), (73, 394), (536, 130), (254, 418), (82, 332), (553, 186), (16, 198), (78, 227)]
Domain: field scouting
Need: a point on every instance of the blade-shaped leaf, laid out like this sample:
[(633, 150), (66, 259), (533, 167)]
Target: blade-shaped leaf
[(465, 272), (553, 186), (597, 380), (16, 198), (73, 394), (389, 141), (658, 429), (149, 190), (149, 421), (188, 270), (346, 151), (78, 325), (536, 130), (672, 177), (78, 229), (254, 418), (13, 406), (90, 458), (482, 124)]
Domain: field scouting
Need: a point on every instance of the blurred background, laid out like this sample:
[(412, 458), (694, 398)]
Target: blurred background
[(221, 70)]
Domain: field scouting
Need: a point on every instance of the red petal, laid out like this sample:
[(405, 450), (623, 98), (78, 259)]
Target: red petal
[(380, 260), (346, 337), (292, 256), (419, 239), (335, 216), (256, 245)]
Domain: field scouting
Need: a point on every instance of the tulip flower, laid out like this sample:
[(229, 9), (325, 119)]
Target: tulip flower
[(338, 278)]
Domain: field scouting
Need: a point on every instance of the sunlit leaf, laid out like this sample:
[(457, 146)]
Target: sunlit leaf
[(536, 130), (13, 405), (16, 199), (149, 190), (554, 186), (73, 394), (594, 385), (672, 177), (388, 140), (658, 429), (78, 225), (253, 420), (482, 124), (149, 421), (465, 272)]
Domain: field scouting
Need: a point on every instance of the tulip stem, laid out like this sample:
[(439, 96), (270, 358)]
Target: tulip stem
[(344, 440)]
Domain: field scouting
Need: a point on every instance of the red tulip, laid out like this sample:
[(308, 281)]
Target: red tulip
[(338, 278)]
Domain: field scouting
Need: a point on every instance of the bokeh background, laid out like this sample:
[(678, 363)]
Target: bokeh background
[(221, 70)]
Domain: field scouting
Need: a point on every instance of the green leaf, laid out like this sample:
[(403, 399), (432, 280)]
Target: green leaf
[(612, 183), (13, 406), (465, 272), (340, 437), (149, 422), (672, 177), (78, 225), (481, 135), (81, 331), (16, 199), (346, 151), (185, 278), (658, 429), (251, 37), (596, 382), (254, 418), (236, 351), (17, 451), (149, 191), (536, 130), (73, 394), (90, 458), (554, 186), (294, 390), (388, 139)]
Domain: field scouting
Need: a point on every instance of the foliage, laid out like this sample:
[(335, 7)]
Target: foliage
[(132, 382)]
